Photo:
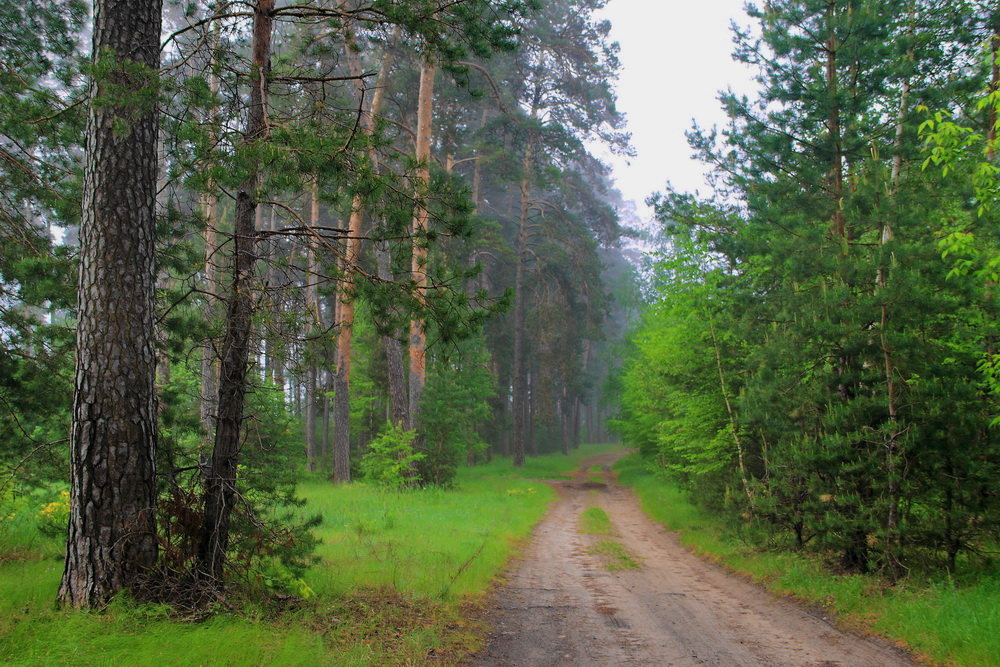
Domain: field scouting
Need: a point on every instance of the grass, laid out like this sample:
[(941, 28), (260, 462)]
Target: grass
[(616, 555), (595, 521), (400, 578), (947, 621)]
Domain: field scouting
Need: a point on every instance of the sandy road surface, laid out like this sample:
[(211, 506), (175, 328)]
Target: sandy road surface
[(562, 606)]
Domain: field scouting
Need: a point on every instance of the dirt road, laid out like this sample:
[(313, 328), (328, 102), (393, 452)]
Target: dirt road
[(562, 605)]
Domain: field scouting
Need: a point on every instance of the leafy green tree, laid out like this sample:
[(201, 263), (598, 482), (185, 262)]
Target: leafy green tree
[(838, 343)]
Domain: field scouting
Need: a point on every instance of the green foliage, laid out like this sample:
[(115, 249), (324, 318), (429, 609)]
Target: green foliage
[(454, 403), (271, 542), (810, 361), (39, 143), (391, 460), (971, 244)]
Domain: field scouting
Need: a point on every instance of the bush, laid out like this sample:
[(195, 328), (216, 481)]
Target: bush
[(391, 460)]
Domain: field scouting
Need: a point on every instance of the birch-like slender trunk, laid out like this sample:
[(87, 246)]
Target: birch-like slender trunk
[(731, 414)]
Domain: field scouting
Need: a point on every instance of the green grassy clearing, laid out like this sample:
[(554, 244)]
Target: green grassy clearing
[(397, 577), (951, 622)]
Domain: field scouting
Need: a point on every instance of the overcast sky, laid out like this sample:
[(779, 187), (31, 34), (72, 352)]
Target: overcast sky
[(676, 57)]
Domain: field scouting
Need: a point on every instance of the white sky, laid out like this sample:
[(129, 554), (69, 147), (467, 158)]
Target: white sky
[(676, 57)]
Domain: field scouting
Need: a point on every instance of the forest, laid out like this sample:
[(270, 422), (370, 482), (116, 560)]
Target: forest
[(300, 300), (335, 238), (819, 355)]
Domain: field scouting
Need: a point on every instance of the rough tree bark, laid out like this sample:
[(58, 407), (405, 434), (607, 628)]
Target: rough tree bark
[(112, 523), (220, 482)]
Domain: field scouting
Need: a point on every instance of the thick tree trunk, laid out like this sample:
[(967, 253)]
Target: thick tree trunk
[(220, 482), (112, 525), (341, 429), (342, 379), (418, 266)]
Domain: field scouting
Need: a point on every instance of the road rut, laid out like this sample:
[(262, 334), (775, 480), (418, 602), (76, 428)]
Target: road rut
[(561, 604)]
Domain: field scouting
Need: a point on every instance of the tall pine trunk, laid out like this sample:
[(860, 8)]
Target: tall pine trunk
[(220, 482), (519, 373), (395, 368), (112, 524), (209, 204), (421, 216), (312, 321)]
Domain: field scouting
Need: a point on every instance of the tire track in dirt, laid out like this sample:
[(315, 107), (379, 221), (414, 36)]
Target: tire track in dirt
[(562, 606)]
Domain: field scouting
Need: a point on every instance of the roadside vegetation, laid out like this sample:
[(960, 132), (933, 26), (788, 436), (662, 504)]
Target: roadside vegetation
[(952, 621), (401, 577)]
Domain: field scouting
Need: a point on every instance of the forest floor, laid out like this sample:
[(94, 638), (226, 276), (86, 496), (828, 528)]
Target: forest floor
[(629, 593)]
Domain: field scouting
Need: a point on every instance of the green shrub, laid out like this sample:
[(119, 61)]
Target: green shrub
[(391, 460)]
